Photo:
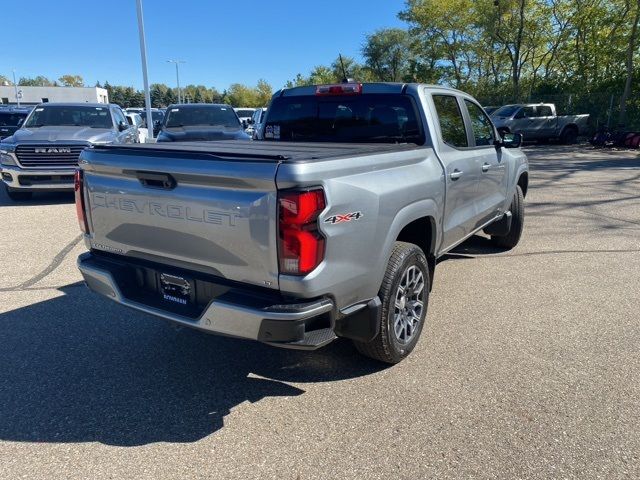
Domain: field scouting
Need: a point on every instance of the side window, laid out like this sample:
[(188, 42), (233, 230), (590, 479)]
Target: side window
[(544, 111), (451, 121), (480, 124), (118, 116)]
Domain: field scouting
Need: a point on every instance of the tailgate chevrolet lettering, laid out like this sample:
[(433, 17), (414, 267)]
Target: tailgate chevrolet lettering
[(192, 214)]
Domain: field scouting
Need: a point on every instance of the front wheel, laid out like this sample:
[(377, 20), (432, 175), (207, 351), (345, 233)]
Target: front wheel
[(511, 239), (404, 294)]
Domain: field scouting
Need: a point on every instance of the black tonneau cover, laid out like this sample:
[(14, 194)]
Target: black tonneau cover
[(264, 151)]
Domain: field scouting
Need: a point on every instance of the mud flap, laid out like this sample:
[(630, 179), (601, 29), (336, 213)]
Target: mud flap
[(501, 227), (363, 325)]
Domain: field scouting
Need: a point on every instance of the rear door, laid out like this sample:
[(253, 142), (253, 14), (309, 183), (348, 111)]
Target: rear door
[(547, 121), (492, 187), (187, 210), (525, 122), (461, 168)]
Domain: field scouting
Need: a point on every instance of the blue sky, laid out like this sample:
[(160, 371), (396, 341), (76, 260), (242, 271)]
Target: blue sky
[(222, 41)]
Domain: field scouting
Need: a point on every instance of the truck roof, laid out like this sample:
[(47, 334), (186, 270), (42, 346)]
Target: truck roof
[(367, 88), (76, 104), (198, 105), (298, 152)]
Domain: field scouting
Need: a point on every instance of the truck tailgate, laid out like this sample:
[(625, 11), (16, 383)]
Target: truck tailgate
[(197, 212)]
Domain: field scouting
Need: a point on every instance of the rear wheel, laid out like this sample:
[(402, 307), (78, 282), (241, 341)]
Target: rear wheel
[(404, 294), (18, 195), (511, 239), (569, 136)]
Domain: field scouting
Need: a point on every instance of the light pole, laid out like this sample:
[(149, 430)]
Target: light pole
[(15, 86), (177, 62), (143, 54)]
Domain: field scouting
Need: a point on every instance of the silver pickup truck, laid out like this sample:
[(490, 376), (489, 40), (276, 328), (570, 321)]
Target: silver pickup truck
[(539, 121), (43, 154), (329, 227)]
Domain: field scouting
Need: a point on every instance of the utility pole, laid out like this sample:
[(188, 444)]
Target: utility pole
[(15, 86), (143, 54), (177, 62)]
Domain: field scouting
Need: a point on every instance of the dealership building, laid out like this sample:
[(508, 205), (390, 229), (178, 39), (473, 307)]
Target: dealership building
[(36, 95)]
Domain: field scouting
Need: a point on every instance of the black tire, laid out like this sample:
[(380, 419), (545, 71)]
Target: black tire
[(569, 136), (511, 239), (17, 195), (387, 346)]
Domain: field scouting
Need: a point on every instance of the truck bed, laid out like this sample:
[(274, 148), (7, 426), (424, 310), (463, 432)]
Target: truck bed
[(230, 150)]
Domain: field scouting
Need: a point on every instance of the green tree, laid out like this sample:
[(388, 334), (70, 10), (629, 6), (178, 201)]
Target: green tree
[(170, 97), (71, 81), (239, 95), (158, 93), (323, 75), (265, 92), (39, 81), (387, 54), (631, 49)]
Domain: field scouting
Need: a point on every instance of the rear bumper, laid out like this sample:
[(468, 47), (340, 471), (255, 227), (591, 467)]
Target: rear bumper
[(37, 180), (233, 311)]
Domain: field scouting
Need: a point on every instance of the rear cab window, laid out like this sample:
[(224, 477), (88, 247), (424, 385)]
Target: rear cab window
[(383, 118)]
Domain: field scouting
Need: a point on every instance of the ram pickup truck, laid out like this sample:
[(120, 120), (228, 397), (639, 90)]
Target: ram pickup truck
[(329, 227), (42, 155), (539, 121)]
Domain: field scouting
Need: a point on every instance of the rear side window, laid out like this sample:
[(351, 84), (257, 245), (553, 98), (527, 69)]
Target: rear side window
[(480, 124), (544, 111), (451, 121)]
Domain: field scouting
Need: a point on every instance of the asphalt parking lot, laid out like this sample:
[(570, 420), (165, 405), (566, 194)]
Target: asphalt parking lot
[(529, 366)]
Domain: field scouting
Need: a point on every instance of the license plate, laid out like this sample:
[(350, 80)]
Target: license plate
[(175, 289)]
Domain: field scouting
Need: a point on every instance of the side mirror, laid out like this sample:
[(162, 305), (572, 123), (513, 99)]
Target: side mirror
[(511, 140), (122, 126)]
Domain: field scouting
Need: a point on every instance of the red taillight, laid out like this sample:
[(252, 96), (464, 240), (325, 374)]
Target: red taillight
[(300, 243), (339, 89), (78, 183)]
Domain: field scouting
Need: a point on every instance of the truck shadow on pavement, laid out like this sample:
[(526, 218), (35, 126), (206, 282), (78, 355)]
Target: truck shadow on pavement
[(78, 368), (38, 198)]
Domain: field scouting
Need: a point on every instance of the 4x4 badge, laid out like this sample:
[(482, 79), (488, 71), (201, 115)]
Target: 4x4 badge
[(347, 217)]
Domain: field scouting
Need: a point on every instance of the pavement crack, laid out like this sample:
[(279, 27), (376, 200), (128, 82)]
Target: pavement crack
[(55, 263)]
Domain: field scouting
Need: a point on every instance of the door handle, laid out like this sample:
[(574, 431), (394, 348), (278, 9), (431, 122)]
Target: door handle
[(455, 175), (485, 167)]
